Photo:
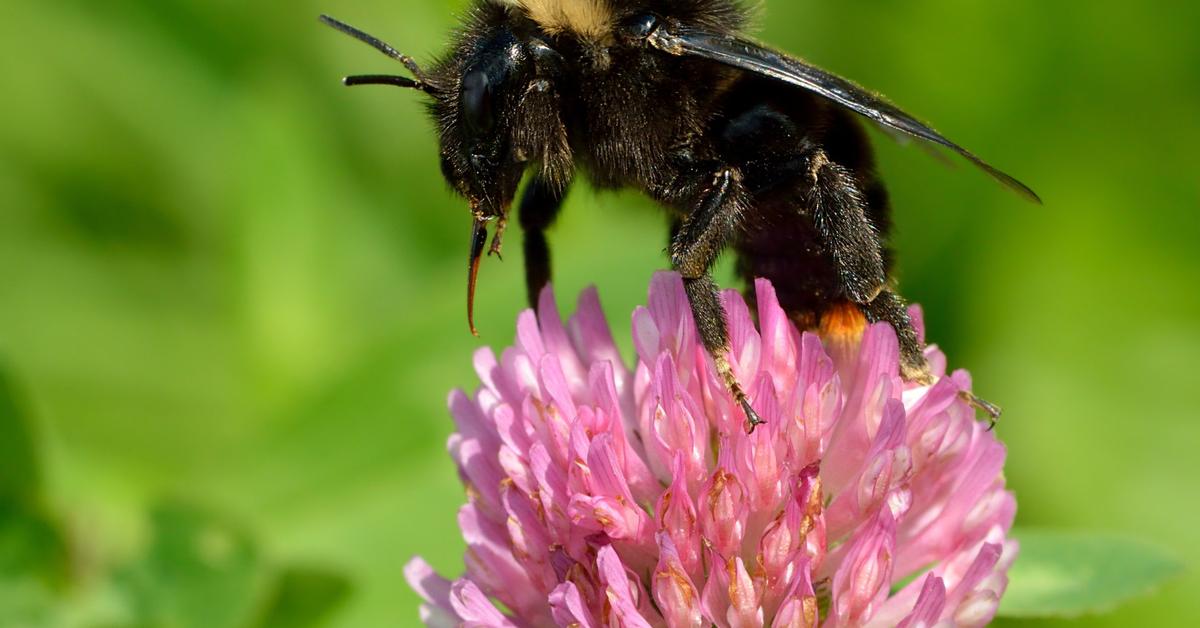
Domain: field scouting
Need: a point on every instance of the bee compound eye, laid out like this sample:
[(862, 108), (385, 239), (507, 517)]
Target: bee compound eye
[(478, 102), (641, 26)]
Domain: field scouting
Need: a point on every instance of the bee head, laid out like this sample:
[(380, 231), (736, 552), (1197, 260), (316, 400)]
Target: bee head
[(478, 111), (497, 111), (496, 107), (498, 114)]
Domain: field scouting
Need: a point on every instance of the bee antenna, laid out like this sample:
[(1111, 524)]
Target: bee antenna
[(384, 79), (375, 43)]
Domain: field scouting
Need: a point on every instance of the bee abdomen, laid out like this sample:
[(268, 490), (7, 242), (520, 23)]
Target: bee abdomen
[(782, 245)]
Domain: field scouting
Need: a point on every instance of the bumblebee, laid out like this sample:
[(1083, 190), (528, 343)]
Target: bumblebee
[(746, 148)]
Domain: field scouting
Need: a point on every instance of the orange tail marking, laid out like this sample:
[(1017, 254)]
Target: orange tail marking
[(843, 322)]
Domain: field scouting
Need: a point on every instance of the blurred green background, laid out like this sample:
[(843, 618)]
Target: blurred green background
[(231, 298)]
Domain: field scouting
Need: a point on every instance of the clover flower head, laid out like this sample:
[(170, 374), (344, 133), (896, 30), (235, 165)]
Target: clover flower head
[(603, 496)]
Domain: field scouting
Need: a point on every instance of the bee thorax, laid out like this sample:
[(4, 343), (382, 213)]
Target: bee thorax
[(589, 19)]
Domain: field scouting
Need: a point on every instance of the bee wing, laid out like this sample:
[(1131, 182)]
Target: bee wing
[(752, 57)]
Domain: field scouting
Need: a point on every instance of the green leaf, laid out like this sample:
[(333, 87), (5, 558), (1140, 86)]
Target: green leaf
[(304, 597), (201, 571), (1067, 574), (25, 602), (31, 544), (20, 475)]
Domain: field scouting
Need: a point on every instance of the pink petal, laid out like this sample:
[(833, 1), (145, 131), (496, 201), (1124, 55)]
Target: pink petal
[(531, 541), (929, 604), (475, 609), (672, 313), (529, 336), (620, 591), (491, 566), (602, 495), (647, 338), (557, 341), (723, 511), (674, 423), (811, 497), (744, 341), (568, 608), (615, 509), (873, 380), (780, 545), (744, 610), (487, 368), (593, 339), (520, 374), (927, 405), (883, 470), (676, 595), (516, 469), (945, 531), (980, 568), (814, 404), (779, 337), (480, 471), (977, 609), (714, 598), (551, 490), (428, 584), (642, 482), (760, 458), (861, 583), (555, 388), (472, 423), (677, 519), (799, 607)]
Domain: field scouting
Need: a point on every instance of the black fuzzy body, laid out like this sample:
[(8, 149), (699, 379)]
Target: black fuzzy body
[(662, 126), (747, 149), (780, 176)]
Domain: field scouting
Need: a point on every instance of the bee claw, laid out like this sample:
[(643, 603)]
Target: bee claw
[(498, 239), (752, 418), (990, 409)]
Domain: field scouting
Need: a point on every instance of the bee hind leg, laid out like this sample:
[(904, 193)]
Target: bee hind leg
[(840, 214), (839, 211), (890, 308)]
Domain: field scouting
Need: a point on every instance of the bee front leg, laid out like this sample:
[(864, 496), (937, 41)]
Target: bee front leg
[(694, 247), (539, 207)]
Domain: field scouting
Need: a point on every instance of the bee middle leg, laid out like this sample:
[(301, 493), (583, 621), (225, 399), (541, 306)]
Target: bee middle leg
[(694, 247)]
